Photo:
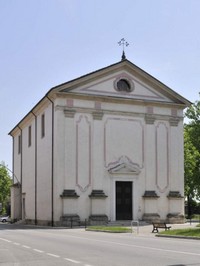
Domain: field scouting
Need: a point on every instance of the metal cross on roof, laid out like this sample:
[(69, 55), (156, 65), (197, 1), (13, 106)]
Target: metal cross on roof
[(124, 43)]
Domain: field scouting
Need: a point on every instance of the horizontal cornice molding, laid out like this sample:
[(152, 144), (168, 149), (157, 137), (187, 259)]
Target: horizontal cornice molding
[(112, 99), (150, 119)]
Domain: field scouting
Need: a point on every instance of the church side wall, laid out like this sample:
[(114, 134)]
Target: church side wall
[(16, 213), (32, 166), (28, 171), (44, 167), (17, 156)]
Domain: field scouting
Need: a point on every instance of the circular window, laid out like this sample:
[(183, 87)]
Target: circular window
[(123, 85)]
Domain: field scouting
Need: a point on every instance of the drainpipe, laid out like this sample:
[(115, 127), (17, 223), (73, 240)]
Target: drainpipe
[(52, 165), (21, 165), (13, 165), (35, 167)]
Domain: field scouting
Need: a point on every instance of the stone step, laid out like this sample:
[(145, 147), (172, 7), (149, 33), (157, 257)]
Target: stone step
[(119, 223), (126, 223)]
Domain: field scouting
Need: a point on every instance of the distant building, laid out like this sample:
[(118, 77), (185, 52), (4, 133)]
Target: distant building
[(104, 146)]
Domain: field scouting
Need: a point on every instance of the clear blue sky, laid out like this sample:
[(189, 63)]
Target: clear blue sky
[(47, 42)]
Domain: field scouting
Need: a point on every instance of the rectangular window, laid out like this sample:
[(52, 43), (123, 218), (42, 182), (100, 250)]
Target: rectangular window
[(42, 125), (29, 136), (19, 144)]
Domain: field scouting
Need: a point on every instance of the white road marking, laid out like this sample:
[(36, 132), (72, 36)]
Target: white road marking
[(25, 246), (137, 246), (53, 255), (41, 251), (38, 250), (74, 261), (17, 244), (6, 240)]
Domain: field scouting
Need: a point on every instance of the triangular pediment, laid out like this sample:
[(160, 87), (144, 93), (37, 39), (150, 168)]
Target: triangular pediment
[(106, 87), (104, 83), (123, 166)]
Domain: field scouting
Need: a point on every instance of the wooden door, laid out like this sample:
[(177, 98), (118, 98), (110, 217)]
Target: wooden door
[(124, 200)]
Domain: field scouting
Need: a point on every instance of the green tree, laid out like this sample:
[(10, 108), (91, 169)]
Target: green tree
[(5, 183), (193, 126), (191, 169), (192, 153)]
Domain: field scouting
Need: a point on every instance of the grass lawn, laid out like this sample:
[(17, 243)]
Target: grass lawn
[(110, 229), (196, 217), (188, 232)]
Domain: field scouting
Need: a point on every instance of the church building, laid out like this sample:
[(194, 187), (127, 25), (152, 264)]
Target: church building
[(106, 146)]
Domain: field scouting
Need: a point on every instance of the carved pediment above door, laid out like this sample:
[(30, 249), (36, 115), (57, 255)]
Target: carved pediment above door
[(123, 166)]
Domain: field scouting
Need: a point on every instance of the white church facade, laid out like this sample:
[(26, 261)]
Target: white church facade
[(106, 146)]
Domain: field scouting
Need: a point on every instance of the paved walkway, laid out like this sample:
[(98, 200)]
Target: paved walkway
[(143, 230), (147, 229)]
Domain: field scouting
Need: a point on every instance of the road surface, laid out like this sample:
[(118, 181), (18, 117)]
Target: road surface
[(29, 245)]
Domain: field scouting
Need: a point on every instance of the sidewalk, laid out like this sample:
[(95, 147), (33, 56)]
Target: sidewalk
[(146, 230)]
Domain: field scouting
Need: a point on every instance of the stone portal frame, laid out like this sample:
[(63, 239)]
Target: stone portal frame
[(124, 170), (135, 196)]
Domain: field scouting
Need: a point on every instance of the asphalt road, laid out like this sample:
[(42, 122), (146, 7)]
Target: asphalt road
[(26, 245)]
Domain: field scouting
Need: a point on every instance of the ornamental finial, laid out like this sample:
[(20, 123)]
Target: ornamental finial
[(124, 43)]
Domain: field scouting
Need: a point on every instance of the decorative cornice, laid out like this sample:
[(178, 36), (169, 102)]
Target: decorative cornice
[(150, 119), (97, 105), (97, 194), (69, 113), (150, 194), (123, 166), (97, 115), (69, 193), (173, 121), (174, 194)]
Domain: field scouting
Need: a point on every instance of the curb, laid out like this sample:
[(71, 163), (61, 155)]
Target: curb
[(107, 231), (181, 237)]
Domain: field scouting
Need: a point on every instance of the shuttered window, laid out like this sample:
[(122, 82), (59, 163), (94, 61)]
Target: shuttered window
[(19, 144), (42, 125), (29, 136)]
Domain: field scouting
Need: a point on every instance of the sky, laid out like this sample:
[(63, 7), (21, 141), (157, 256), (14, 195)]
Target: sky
[(44, 43)]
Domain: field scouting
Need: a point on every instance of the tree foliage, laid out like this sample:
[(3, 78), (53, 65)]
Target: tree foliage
[(192, 151), (191, 165), (5, 183), (193, 114)]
